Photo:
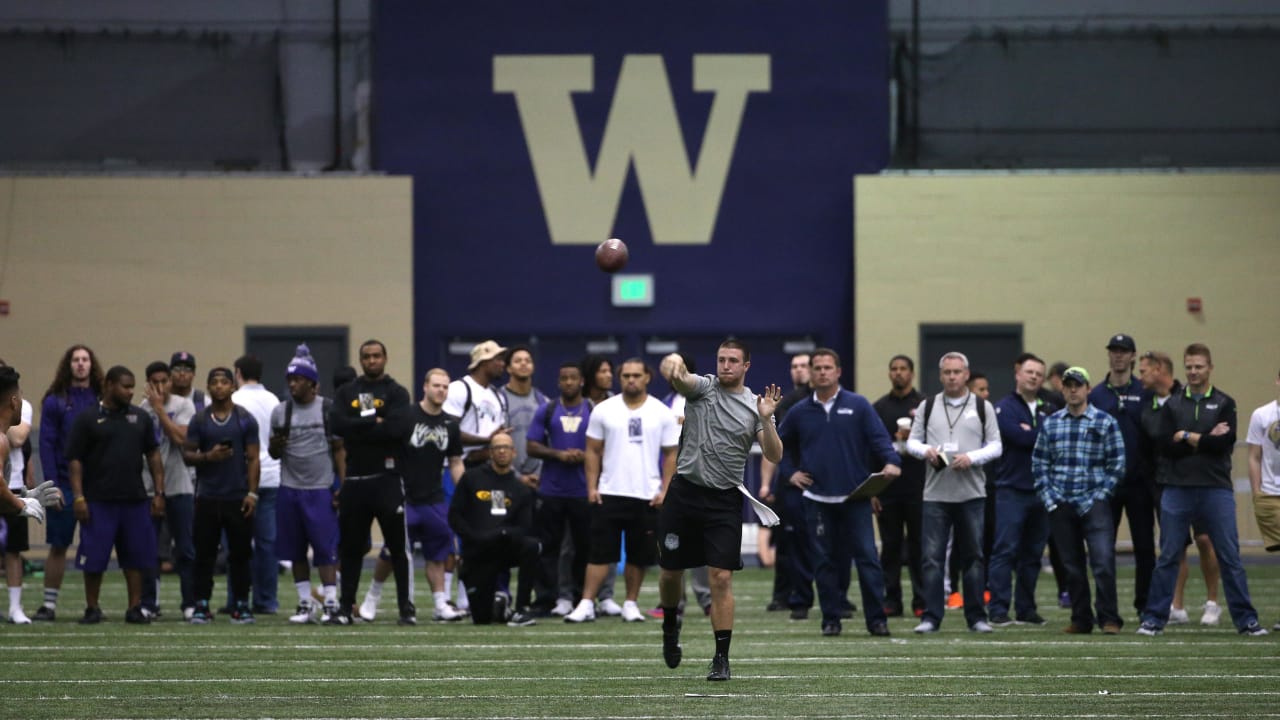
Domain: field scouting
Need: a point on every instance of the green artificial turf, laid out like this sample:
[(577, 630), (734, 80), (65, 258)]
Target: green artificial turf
[(610, 669)]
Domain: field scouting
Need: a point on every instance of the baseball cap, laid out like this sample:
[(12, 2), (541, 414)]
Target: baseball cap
[(1122, 342), (1076, 374), (182, 358), (486, 350)]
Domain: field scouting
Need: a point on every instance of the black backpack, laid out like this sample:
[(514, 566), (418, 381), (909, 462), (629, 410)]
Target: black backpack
[(982, 416)]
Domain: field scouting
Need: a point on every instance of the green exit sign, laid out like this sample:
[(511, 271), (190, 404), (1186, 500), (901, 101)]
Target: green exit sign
[(633, 290)]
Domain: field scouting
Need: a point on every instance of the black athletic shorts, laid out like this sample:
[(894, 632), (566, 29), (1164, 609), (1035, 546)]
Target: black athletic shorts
[(700, 526), (614, 516), (18, 541)]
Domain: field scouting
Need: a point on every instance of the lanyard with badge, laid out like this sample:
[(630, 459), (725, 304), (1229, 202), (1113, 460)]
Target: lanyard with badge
[(953, 446)]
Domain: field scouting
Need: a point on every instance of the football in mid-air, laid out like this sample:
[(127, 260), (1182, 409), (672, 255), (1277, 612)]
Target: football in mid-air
[(611, 255)]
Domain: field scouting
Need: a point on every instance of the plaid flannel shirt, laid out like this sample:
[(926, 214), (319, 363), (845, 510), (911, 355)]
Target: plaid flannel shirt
[(1077, 460)]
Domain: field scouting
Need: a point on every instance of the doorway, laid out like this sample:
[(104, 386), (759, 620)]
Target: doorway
[(991, 349), (275, 346)]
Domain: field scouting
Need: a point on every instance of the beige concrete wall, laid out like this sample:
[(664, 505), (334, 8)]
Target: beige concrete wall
[(1074, 259), (139, 267)]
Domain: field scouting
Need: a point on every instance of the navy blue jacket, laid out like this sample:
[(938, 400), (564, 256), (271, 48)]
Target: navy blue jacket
[(835, 450), (1015, 464), (1125, 405)]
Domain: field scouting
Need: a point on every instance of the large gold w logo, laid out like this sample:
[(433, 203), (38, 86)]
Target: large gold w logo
[(681, 202)]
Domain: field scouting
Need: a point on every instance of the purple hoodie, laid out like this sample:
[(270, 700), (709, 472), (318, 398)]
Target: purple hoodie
[(57, 415)]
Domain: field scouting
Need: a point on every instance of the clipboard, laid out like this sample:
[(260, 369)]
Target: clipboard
[(872, 486)]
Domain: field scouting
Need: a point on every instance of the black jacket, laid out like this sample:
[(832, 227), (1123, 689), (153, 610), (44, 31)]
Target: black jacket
[(373, 448), (1209, 464)]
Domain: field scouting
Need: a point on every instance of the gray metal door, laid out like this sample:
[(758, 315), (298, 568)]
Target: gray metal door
[(275, 347)]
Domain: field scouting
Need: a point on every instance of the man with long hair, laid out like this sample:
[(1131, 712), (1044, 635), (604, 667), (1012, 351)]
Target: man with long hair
[(76, 387)]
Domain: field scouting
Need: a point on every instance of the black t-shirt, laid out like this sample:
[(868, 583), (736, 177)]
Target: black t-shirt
[(431, 439), (911, 483), (111, 446)]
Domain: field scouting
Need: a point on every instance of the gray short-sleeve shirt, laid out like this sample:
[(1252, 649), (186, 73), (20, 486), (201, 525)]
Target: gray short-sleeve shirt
[(306, 464), (719, 429)]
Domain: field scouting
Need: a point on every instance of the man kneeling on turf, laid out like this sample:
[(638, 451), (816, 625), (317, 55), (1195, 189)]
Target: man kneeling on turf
[(492, 514)]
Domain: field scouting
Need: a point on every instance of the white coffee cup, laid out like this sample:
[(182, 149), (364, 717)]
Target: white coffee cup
[(904, 423)]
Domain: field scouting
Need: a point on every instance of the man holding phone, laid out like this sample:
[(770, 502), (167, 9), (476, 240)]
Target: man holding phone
[(222, 444)]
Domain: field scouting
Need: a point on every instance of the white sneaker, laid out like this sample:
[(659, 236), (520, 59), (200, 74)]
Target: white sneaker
[(926, 626), (610, 607), (306, 614), (17, 617), (1178, 616), (563, 607), (585, 612), (1212, 613), (631, 612), (982, 626), (446, 613), (369, 608)]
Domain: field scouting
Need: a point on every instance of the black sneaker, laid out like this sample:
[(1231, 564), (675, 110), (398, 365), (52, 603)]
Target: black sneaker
[(45, 614), (201, 615), (1031, 618), (407, 620), (800, 613), (501, 606), (775, 606), (831, 629), (92, 616), (848, 611), (242, 615), (879, 630), (136, 616), (1253, 629), (340, 617), (671, 650), (1001, 620), (522, 618), (719, 669)]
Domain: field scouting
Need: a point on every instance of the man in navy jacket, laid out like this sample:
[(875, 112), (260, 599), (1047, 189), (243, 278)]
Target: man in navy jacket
[(830, 439), (1022, 523), (1121, 396)]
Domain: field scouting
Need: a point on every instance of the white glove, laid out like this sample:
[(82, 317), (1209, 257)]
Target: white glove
[(46, 493), (32, 508)]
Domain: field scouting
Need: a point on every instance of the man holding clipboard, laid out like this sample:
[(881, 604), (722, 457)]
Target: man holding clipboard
[(829, 440)]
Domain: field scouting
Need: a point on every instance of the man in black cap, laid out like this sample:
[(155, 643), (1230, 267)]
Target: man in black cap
[(1120, 395), (182, 373)]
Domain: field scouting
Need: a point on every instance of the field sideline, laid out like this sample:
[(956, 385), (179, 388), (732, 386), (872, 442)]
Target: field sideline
[(611, 669)]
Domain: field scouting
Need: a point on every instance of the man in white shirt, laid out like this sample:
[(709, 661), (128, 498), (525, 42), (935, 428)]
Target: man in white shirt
[(253, 396), (17, 541), (475, 400), (631, 455), (1264, 472)]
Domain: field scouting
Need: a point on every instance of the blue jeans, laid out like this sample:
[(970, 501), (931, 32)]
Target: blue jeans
[(264, 567), (840, 534), (1213, 510), (966, 556), (1096, 531), (1022, 530), (180, 511)]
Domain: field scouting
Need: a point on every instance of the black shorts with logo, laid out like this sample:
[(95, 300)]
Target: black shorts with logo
[(700, 526), (614, 516)]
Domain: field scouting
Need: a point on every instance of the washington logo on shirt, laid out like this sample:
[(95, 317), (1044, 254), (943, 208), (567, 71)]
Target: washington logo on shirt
[(435, 434)]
